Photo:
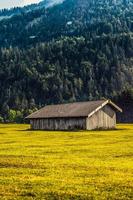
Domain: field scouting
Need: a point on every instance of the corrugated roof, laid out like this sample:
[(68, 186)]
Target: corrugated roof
[(79, 109)]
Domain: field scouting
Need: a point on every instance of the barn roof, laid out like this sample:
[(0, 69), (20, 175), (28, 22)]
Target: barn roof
[(78, 109)]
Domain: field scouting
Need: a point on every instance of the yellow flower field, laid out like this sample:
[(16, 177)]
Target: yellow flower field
[(87, 165)]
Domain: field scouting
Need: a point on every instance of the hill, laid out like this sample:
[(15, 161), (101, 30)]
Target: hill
[(8, 13), (71, 18), (76, 50)]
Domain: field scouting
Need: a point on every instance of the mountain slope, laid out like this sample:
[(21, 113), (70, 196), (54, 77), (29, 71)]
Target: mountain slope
[(72, 51), (71, 18), (8, 13)]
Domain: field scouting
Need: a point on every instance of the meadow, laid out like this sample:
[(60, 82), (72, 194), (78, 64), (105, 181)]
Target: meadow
[(86, 165)]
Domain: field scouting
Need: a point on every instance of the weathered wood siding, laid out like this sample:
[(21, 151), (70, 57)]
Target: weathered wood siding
[(58, 124), (103, 119)]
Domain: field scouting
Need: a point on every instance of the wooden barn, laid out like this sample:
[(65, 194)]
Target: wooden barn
[(81, 115)]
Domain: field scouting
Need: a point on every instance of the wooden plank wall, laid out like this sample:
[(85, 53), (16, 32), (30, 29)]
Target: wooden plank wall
[(58, 124), (103, 119)]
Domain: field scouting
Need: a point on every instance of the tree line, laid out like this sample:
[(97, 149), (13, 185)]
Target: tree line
[(66, 70)]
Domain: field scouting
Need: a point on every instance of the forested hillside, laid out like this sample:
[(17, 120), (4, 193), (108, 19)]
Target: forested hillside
[(8, 13), (77, 50), (71, 18)]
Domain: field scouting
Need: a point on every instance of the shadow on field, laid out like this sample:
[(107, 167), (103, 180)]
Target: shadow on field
[(37, 130), (109, 130), (76, 130)]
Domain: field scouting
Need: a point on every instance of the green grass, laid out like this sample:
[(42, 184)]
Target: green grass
[(88, 165)]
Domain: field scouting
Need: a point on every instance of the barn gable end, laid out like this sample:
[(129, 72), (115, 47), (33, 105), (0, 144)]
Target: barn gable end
[(105, 118)]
